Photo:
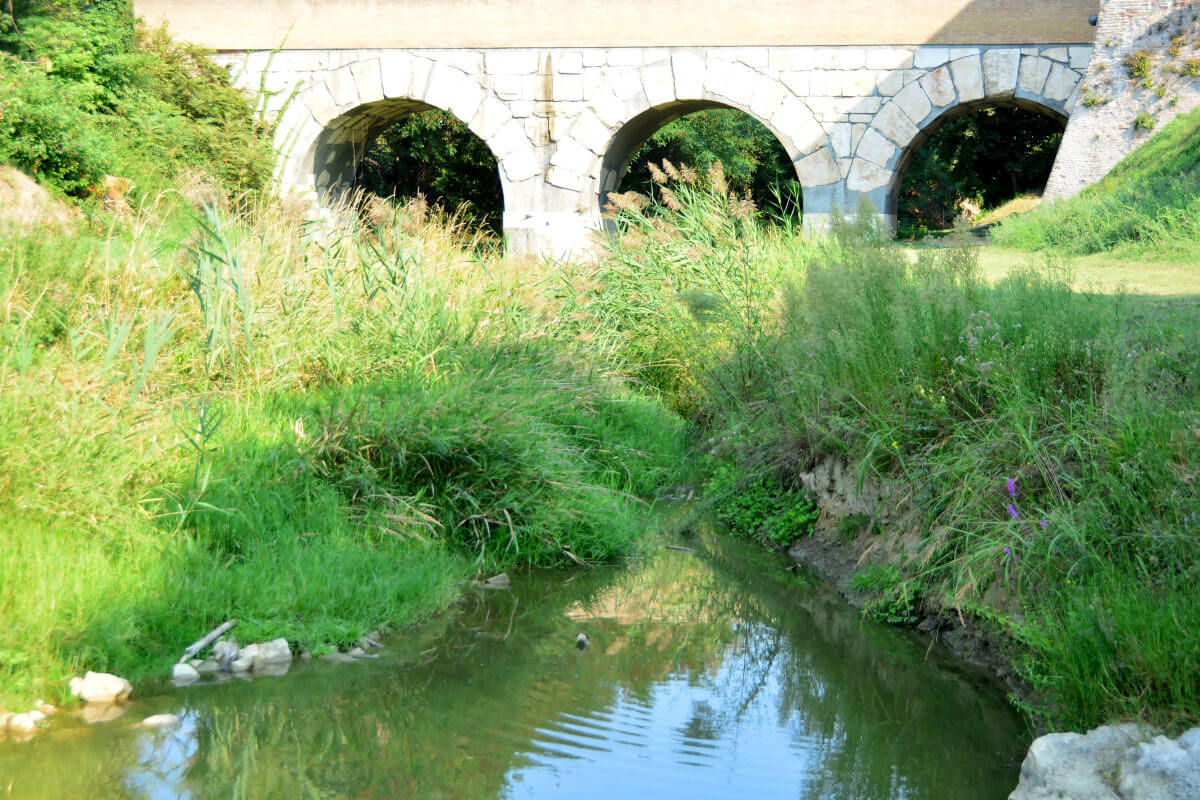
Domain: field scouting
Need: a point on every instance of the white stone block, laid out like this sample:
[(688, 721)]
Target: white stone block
[(795, 120), (514, 61), (342, 87), (508, 138), (1080, 57), (566, 88), (731, 80), (688, 69), (753, 57), (510, 87), (890, 82), (571, 155), (491, 116), (520, 165), (825, 83), (914, 102), (804, 58), (569, 62), (590, 132), (1061, 83), (847, 58), (895, 125), (607, 107), (858, 82), (939, 87), (963, 52), (593, 57), (857, 105), (368, 79), (818, 169), (865, 176), (626, 82), (565, 179), (766, 98), (798, 82), (1056, 54), (968, 78), (889, 58), (320, 103), (1000, 71), (1033, 74), (452, 90), (659, 83), (396, 74), (857, 134), (624, 57), (875, 148), (840, 138), (931, 57)]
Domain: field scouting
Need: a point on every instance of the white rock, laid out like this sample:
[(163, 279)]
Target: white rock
[(1034, 72), (865, 176), (1162, 769), (500, 581), (895, 124), (876, 149), (1000, 68), (241, 665), (818, 169), (159, 721), (1079, 767), (22, 723), (968, 78), (1061, 83), (100, 687), (914, 102), (939, 87), (184, 673), (276, 651), (930, 57)]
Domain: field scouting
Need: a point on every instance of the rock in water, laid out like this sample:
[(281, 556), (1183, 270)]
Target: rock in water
[(101, 687), (275, 651), (1127, 761), (22, 723), (184, 673), (159, 721), (582, 640), (225, 652), (497, 581)]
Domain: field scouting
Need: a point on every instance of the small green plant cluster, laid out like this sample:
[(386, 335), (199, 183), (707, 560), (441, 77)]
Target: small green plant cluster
[(758, 506), (1145, 121), (892, 597), (83, 95), (1139, 65)]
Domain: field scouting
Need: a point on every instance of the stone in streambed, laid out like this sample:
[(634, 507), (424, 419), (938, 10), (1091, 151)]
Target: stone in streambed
[(1127, 761), (225, 652), (500, 581), (23, 723), (358, 652), (95, 713), (206, 667), (100, 687), (184, 674), (240, 665), (276, 651), (339, 658)]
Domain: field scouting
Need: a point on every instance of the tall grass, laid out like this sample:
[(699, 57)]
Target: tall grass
[(1047, 436), (1148, 205), (208, 414)]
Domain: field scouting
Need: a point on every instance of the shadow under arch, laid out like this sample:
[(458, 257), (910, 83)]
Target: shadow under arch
[(933, 126), (636, 131), (340, 147)]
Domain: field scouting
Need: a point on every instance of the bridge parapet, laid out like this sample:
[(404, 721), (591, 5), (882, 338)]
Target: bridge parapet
[(562, 123)]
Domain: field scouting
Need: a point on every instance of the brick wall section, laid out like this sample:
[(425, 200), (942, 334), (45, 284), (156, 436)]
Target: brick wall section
[(1102, 129), (414, 24)]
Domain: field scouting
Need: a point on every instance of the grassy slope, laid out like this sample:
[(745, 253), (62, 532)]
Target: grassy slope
[(316, 436), (1149, 205)]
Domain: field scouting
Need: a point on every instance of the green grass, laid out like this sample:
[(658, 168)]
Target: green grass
[(1148, 206), (221, 415)]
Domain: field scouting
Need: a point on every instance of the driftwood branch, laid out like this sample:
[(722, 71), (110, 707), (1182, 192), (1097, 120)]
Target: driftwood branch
[(212, 636)]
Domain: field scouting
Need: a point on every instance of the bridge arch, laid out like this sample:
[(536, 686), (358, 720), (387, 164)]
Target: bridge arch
[(331, 120), (880, 154)]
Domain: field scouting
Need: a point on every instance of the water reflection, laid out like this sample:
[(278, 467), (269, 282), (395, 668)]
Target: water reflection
[(710, 674)]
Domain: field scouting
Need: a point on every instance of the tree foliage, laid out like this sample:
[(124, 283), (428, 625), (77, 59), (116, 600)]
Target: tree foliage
[(433, 154), (755, 162), (988, 157)]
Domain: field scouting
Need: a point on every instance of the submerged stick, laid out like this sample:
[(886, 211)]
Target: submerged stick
[(212, 636)]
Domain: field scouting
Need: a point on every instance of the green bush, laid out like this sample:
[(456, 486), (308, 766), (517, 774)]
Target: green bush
[(758, 506)]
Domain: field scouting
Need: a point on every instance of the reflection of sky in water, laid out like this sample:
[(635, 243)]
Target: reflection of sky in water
[(162, 757), (701, 736)]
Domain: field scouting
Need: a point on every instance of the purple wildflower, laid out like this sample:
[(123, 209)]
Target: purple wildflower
[(1012, 511), (1008, 551), (1012, 488), (1043, 523)]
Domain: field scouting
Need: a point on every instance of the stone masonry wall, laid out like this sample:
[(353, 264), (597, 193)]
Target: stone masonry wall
[(563, 122), (1104, 128)]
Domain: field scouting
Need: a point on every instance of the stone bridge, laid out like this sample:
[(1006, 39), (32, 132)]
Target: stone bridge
[(565, 91)]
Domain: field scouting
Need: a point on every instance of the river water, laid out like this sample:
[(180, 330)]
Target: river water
[(712, 673)]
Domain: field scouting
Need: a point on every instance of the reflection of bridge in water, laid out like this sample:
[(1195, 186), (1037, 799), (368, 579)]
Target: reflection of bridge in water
[(850, 88)]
